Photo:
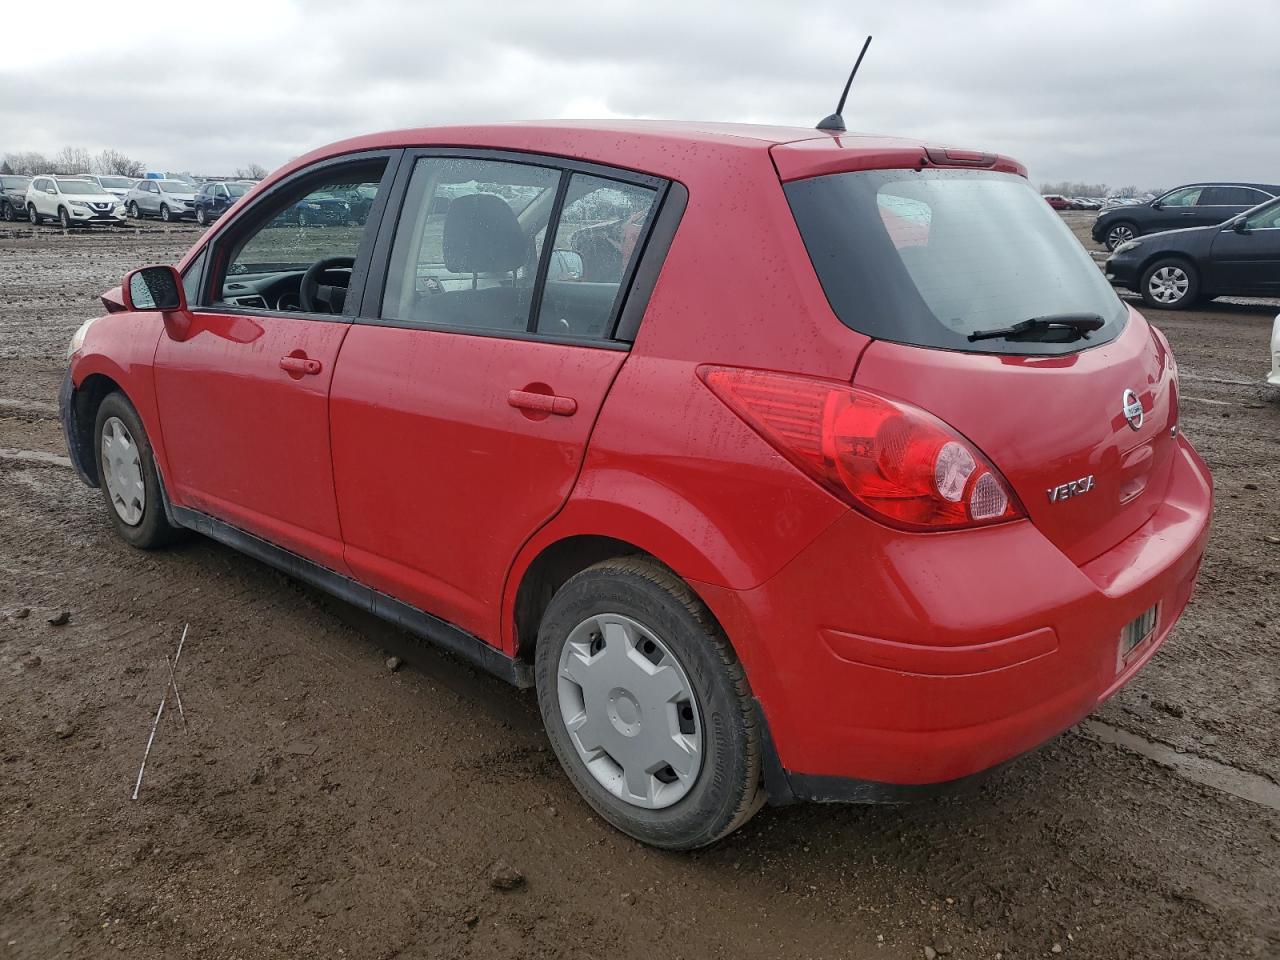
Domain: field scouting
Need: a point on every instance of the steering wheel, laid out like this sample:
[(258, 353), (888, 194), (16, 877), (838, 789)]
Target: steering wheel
[(317, 297)]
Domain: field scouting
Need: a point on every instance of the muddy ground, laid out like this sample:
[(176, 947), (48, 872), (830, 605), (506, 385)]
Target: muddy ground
[(318, 804)]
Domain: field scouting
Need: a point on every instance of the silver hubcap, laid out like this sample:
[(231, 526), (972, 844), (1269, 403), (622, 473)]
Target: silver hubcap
[(630, 711), (1120, 235), (1169, 284), (122, 471)]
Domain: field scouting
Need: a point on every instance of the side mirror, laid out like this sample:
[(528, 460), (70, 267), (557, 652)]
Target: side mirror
[(154, 288), (565, 265), (1156, 204), (1240, 225)]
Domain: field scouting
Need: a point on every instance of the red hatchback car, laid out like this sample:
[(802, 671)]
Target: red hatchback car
[(785, 464)]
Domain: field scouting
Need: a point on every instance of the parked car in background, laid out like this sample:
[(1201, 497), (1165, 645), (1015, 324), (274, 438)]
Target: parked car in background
[(1193, 205), (981, 518), (1174, 269), (13, 196), (214, 199), (166, 199), (1273, 377), (114, 185), (71, 200), (1058, 202)]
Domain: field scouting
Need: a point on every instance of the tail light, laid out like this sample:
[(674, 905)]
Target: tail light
[(886, 458)]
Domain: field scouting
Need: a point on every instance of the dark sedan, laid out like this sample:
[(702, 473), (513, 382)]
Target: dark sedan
[(1194, 205), (1173, 270)]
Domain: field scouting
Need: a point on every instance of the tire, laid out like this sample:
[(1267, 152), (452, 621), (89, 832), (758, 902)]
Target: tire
[(1170, 284), (6, 209), (150, 528), (711, 711), (201, 218), (165, 215), (64, 218), (303, 219), (33, 215), (1120, 232), (133, 211)]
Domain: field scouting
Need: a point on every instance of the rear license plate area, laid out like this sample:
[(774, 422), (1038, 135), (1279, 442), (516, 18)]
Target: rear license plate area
[(1136, 631)]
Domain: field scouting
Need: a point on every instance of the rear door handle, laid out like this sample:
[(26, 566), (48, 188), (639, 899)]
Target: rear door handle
[(543, 403), (300, 365)]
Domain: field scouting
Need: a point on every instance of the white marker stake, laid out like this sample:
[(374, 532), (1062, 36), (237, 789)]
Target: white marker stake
[(159, 713)]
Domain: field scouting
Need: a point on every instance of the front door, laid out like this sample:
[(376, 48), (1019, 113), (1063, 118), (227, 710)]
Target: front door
[(460, 417), (1249, 261), (242, 382)]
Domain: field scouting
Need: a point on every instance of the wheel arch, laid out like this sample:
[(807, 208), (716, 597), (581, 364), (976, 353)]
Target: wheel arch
[(82, 414)]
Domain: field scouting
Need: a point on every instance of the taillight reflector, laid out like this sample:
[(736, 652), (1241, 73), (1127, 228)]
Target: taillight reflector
[(884, 457)]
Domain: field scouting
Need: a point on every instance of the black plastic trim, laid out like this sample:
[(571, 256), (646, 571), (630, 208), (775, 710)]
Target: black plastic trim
[(439, 632), (500, 334), (548, 248), (71, 431), (651, 261)]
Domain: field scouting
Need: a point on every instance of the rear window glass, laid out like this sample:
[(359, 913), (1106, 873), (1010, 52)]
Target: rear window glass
[(928, 257)]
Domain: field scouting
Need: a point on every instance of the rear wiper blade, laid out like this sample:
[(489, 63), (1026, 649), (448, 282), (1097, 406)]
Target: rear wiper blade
[(1081, 323)]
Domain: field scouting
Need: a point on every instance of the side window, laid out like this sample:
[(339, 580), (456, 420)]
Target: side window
[(594, 246), (191, 278), (467, 245), (1267, 218), (322, 218), (1186, 197)]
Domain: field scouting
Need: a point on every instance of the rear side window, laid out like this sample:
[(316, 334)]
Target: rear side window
[(1232, 196), (928, 257)]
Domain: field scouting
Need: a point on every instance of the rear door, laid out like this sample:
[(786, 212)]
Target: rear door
[(462, 405), (242, 382)]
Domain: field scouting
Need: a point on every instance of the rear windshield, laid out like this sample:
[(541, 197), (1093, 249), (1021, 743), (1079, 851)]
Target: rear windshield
[(928, 257)]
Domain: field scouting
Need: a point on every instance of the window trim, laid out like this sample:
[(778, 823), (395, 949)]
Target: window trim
[(376, 280), (240, 222)]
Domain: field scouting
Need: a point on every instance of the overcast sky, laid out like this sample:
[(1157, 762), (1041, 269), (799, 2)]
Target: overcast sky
[(1145, 93)]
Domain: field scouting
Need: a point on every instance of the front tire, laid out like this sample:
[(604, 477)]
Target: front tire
[(127, 476), (33, 215), (1170, 284), (647, 707), (201, 217), (64, 218), (133, 211), (8, 213), (1119, 233), (165, 215)]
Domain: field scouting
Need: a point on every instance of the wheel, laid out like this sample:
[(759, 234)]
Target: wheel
[(132, 210), (1120, 233), (64, 218), (303, 219), (34, 215), (127, 476), (1170, 284), (201, 218), (647, 707), (164, 213), (7, 210)]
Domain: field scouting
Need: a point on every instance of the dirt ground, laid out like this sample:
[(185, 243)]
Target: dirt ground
[(318, 804)]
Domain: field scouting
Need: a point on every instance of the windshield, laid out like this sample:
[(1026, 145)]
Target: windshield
[(236, 189), (79, 186), (12, 182), (115, 182), (175, 186), (928, 257)]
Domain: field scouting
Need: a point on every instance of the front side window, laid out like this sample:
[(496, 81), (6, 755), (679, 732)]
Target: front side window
[(1186, 197), (467, 246), (1265, 218), (302, 227), (928, 257), (595, 242)]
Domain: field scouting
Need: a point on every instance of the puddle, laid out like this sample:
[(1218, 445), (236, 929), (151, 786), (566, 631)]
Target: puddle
[(1209, 773)]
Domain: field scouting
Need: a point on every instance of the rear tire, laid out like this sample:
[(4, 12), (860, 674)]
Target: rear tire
[(1119, 233), (1170, 284), (711, 704), (128, 478)]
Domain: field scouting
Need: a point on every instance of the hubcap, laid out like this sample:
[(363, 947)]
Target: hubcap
[(1169, 284), (630, 711), (122, 471), (1120, 235)]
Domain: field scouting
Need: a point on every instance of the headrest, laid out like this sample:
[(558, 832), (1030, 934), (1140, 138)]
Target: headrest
[(482, 235)]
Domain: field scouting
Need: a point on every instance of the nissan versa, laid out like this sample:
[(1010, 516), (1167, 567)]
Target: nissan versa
[(785, 464)]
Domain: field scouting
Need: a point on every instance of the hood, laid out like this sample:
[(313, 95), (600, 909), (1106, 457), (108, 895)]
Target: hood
[(90, 197), (189, 197), (1184, 238)]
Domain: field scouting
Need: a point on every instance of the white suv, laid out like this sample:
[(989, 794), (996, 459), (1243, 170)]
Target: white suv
[(71, 200)]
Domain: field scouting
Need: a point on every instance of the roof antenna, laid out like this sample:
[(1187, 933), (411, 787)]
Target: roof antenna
[(835, 122)]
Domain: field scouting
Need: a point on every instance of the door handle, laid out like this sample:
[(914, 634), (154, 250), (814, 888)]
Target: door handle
[(543, 403), (300, 365)]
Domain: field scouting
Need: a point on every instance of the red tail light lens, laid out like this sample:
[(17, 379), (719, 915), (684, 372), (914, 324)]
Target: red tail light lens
[(887, 458)]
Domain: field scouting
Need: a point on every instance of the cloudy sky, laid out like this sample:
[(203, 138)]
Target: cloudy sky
[(1145, 93)]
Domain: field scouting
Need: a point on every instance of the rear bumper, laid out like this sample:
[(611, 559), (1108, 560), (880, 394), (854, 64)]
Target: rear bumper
[(887, 662)]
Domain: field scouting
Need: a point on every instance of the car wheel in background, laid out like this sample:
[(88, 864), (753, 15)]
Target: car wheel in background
[(1120, 233), (201, 218), (303, 219), (1170, 284), (34, 215), (6, 210), (164, 213), (646, 705), (133, 211), (64, 218), (127, 476)]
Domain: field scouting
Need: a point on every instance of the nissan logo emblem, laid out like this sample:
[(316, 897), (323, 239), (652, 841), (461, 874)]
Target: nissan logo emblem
[(1131, 407)]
